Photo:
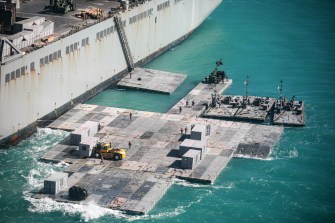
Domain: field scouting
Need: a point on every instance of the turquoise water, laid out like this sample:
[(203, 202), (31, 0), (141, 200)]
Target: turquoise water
[(266, 40)]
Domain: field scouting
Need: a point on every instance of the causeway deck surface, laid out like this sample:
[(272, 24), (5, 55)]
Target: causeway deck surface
[(136, 183), (201, 95), (289, 118), (152, 80)]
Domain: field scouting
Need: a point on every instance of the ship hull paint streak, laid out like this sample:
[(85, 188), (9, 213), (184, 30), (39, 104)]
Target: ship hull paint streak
[(48, 91)]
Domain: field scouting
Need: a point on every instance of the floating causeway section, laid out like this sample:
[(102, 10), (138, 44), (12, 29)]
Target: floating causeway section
[(231, 107), (255, 109), (136, 183), (289, 118), (152, 80), (291, 115)]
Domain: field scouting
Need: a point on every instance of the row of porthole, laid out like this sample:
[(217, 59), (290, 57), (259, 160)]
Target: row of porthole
[(49, 58), (72, 47), (105, 32), (163, 5), (140, 16), (43, 61), (18, 72)]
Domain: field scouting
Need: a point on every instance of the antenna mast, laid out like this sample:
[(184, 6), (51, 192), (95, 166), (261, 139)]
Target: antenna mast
[(280, 88), (246, 83)]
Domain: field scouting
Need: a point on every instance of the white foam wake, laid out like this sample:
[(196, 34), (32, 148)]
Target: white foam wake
[(185, 183), (286, 154), (91, 211), (252, 157), (87, 211)]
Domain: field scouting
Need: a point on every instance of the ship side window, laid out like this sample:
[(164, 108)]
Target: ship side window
[(75, 46), (71, 48), (59, 53), (83, 43), (98, 36), (67, 50), (41, 62), (112, 29), (12, 75), (23, 70), (50, 58), (105, 32), (46, 60), (163, 5), (101, 34), (7, 78), (18, 73), (55, 56), (87, 40), (32, 66), (108, 31)]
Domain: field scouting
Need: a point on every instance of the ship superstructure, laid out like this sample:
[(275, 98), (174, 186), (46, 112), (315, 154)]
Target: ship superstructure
[(51, 61)]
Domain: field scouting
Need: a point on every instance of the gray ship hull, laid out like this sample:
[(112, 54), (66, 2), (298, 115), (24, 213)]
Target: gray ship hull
[(50, 89)]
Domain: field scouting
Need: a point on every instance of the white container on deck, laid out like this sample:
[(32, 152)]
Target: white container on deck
[(86, 146), (198, 132), (87, 129), (190, 159), (55, 183), (188, 144)]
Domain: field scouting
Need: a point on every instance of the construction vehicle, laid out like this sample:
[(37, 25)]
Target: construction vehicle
[(105, 151), (61, 6), (77, 193)]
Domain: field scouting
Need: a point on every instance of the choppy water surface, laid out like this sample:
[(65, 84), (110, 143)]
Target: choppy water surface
[(266, 40)]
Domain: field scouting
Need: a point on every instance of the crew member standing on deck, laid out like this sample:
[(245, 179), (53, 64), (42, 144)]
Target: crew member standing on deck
[(102, 159), (130, 116)]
